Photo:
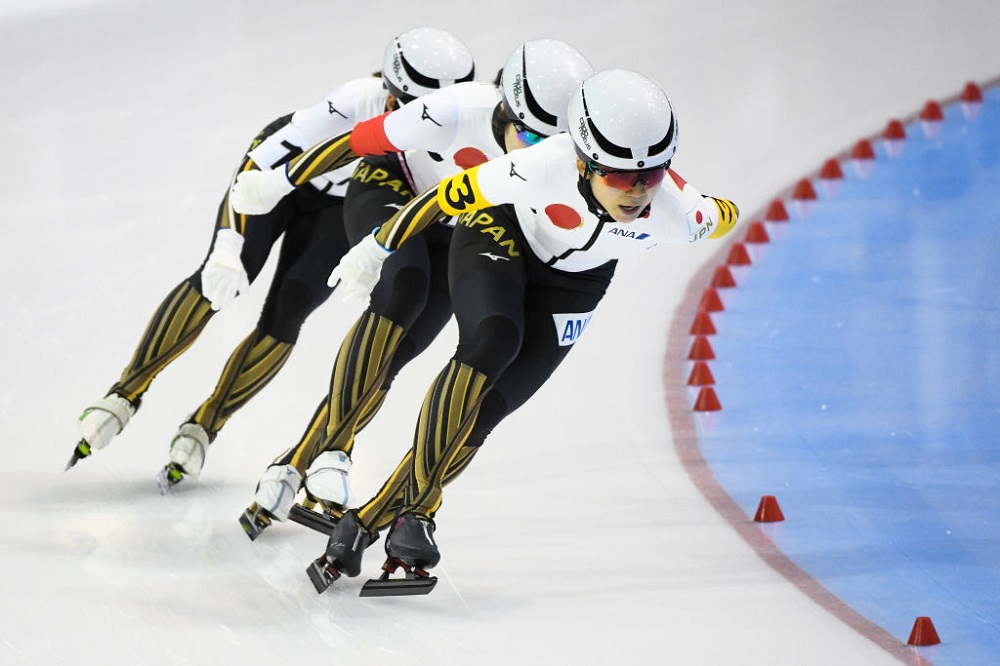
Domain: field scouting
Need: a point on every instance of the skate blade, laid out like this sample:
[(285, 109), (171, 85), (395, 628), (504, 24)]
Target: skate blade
[(168, 477), (81, 451), (254, 521), (416, 581), (314, 520), (322, 574), (398, 587)]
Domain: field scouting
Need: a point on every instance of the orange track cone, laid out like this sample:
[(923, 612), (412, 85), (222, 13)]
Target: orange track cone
[(923, 633), (768, 511)]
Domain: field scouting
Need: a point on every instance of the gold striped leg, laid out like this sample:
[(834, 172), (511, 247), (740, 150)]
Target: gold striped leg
[(358, 374), (379, 512), (313, 440), (251, 367), (446, 418), (173, 328)]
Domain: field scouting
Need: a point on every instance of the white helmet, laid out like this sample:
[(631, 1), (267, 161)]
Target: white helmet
[(621, 120), (425, 59), (537, 81)]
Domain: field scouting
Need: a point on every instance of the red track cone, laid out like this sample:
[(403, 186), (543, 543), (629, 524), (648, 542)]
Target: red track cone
[(803, 197), (756, 233), (738, 255), (931, 118), (972, 100), (972, 93), (701, 375), (931, 111), (895, 138), (701, 350), (923, 633), (831, 170), (707, 400), (863, 150), (863, 158), (830, 177), (776, 212), (702, 325), (710, 301), (768, 511), (804, 190), (723, 278)]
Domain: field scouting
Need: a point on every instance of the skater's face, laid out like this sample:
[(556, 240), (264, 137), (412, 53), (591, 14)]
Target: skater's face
[(624, 194)]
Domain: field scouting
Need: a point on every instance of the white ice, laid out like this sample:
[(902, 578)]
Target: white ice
[(576, 537)]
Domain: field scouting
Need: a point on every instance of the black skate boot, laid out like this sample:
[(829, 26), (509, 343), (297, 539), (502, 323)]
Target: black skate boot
[(410, 546), (344, 549)]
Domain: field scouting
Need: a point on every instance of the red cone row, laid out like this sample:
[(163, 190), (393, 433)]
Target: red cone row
[(862, 155)]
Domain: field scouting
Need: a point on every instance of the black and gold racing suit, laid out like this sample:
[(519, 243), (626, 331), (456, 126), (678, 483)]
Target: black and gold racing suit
[(314, 241)]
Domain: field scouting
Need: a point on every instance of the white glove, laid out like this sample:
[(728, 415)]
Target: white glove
[(359, 269), (257, 192), (223, 275)]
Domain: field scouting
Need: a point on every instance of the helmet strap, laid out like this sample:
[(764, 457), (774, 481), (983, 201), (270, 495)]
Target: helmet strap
[(587, 191)]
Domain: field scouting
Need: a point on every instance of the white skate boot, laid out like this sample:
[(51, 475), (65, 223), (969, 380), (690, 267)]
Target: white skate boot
[(99, 423), (327, 479), (273, 499), (187, 455)]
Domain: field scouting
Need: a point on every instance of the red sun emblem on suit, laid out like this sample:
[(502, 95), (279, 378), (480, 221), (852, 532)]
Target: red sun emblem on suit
[(563, 216), (468, 157)]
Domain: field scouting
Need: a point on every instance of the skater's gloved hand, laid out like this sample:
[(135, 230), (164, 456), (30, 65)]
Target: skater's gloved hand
[(359, 269), (223, 276), (257, 192)]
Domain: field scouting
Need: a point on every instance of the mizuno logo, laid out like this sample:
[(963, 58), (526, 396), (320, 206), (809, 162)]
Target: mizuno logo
[(393, 205), (427, 116), (494, 257), (331, 109), (513, 173)]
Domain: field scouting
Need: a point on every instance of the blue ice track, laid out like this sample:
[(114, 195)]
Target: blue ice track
[(857, 367)]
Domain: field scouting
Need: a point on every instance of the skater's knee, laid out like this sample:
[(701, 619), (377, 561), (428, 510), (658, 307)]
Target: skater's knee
[(491, 347), (287, 308), (403, 297)]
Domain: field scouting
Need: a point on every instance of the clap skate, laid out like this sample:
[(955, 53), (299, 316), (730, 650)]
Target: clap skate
[(187, 456), (273, 499), (328, 492), (344, 549), (410, 546), (99, 423), (315, 515), (255, 520)]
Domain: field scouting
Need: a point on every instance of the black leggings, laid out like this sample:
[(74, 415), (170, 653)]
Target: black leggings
[(517, 318), (412, 291)]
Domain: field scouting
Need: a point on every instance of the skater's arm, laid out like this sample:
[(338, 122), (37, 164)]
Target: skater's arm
[(453, 196)]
